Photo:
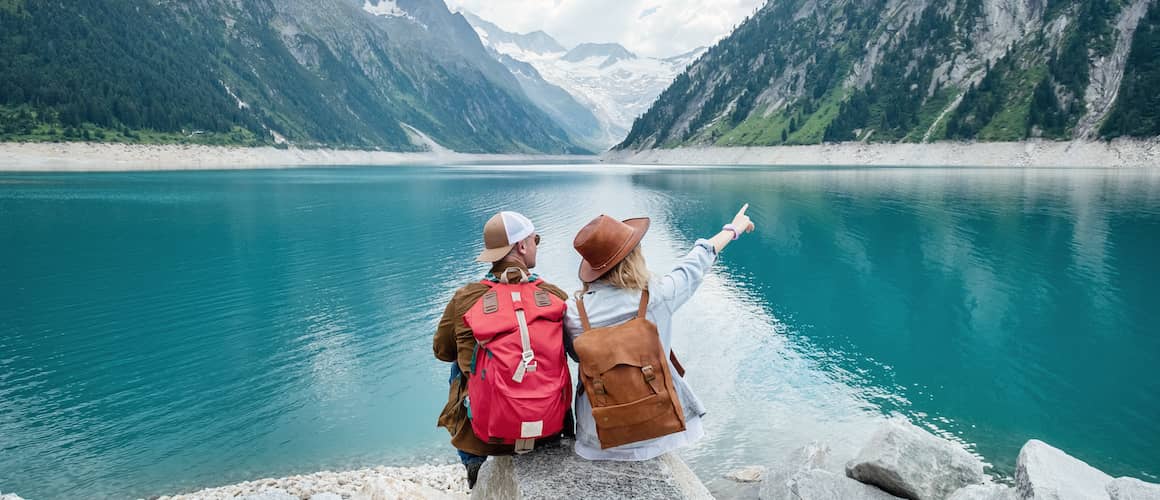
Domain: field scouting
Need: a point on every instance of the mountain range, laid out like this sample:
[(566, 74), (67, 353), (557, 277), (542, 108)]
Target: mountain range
[(594, 90), (812, 71), (367, 74)]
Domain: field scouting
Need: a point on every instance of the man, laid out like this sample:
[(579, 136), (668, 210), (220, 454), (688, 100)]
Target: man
[(510, 244)]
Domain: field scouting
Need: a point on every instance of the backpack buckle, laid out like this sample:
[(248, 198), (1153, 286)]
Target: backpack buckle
[(649, 374), (527, 365)]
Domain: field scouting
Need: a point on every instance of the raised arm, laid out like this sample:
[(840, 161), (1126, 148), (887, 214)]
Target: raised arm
[(677, 286)]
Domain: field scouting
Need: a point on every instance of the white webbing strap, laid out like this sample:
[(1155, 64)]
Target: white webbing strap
[(524, 445), (528, 359)]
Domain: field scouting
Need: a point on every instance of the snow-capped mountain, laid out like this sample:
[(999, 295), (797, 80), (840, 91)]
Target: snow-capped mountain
[(615, 84)]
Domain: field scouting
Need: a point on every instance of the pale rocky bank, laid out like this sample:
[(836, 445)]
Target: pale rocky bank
[(900, 460), (1036, 153), (99, 157)]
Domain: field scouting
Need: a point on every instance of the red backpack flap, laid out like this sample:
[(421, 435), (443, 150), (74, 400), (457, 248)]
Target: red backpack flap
[(519, 390)]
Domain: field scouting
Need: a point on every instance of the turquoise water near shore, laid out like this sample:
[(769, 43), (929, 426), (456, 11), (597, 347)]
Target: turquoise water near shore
[(163, 332)]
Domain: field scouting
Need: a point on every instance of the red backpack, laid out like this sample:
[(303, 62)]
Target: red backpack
[(519, 387)]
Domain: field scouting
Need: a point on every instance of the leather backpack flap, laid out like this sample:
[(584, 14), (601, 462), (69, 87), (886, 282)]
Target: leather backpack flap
[(627, 378), (613, 361)]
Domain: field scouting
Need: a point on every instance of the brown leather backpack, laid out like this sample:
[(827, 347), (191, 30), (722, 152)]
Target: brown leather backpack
[(625, 373)]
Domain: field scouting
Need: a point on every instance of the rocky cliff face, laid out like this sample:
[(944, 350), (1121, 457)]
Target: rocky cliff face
[(808, 71)]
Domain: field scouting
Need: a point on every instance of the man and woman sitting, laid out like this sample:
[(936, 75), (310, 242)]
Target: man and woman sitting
[(508, 336)]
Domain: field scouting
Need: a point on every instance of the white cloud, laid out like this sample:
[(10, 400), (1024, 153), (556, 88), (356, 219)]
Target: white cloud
[(658, 28)]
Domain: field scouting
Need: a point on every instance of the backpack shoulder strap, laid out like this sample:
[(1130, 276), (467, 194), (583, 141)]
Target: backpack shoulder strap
[(640, 312), (584, 326), (676, 364)]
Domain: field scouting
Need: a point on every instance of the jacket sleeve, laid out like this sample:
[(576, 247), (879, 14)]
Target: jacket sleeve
[(444, 344), (572, 328), (678, 286)]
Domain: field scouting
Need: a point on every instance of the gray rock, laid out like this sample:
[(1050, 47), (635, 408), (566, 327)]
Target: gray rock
[(818, 484), (10, 496), (984, 492), (913, 463), (776, 484), (555, 471), (326, 496), (750, 474), (271, 494), (1045, 472), (1127, 488)]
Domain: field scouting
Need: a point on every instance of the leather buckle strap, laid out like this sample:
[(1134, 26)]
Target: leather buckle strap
[(598, 392), (649, 374), (580, 309), (643, 309), (676, 364)]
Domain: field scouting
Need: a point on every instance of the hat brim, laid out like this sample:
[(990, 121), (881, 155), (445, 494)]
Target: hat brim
[(494, 254), (639, 226)]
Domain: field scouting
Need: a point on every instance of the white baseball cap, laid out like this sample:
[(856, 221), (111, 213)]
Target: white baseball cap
[(501, 233)]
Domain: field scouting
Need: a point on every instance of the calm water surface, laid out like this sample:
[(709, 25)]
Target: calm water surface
[(163, 332)]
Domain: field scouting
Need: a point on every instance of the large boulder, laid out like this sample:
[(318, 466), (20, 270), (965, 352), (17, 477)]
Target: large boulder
[(909, 462), (818, 484), (984, 492), (776, 483), (555, 471), (1126, 488), (1043, 472)]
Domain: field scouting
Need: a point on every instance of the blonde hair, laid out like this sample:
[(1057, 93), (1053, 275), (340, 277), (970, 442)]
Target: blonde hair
[(630, 273)]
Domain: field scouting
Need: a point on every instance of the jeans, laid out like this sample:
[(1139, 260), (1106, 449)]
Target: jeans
[(469, 459)]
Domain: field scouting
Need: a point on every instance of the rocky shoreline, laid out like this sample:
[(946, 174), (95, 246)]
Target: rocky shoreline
[(109, 157), (106, 157), (422, 482), (433, 482), (1034, 153), (900, 460)]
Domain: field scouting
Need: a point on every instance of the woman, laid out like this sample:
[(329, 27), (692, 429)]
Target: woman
[(613, 270)]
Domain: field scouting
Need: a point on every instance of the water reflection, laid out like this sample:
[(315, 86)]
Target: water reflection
[(992, 304), (164, 332)]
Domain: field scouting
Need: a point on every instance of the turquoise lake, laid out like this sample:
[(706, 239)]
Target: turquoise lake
[(165, 332)]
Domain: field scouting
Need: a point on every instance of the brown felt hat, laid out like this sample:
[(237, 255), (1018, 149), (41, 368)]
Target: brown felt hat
[(604, 242)]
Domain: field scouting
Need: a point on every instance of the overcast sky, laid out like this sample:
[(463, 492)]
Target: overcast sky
[(658, 28)]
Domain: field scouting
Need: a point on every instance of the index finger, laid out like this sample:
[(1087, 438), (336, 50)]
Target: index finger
[(743, 209)]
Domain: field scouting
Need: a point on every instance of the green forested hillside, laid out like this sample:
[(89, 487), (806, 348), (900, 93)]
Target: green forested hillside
[(213, 71), (811, 71)]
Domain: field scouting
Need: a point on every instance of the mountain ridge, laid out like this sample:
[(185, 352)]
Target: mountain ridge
[(813, 71), (612, 83), (335, 73)]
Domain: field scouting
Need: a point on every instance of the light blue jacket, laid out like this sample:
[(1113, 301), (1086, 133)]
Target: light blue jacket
[(607, 305)]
